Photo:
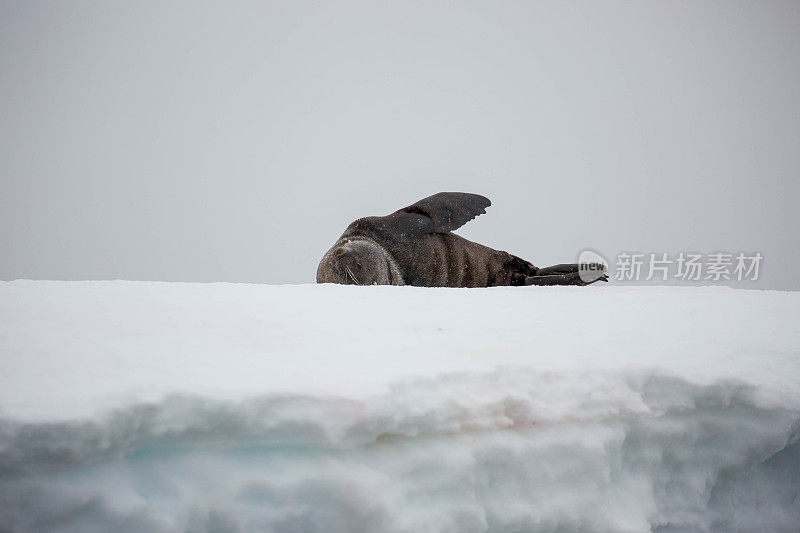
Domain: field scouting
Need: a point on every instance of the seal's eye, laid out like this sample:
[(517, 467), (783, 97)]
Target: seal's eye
[(359, 265)]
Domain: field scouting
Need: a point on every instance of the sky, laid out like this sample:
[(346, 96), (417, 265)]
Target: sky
[(235, 141)]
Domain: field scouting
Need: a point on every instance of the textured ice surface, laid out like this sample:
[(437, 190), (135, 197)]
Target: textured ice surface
[(129, 406)]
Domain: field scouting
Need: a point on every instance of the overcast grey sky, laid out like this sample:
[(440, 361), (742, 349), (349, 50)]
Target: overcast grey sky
[(235, 141)]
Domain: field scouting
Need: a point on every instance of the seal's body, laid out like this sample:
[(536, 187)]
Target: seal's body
[(415, 246)]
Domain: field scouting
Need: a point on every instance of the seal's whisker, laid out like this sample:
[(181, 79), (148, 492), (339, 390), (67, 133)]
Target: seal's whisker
[(350, 273)]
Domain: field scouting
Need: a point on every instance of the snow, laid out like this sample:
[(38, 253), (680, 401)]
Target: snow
[(132, 406)]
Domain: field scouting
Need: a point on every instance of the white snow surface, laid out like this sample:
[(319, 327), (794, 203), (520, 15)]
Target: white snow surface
[(131, 406)]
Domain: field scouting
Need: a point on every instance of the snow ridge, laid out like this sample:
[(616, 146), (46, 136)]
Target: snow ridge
[(168, 407), (534, 450)]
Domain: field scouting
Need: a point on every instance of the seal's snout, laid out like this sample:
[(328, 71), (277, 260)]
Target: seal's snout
[(356, 262)]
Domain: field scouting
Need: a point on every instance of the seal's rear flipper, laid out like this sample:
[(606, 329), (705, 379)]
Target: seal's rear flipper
[(558, 269), (568, 274)]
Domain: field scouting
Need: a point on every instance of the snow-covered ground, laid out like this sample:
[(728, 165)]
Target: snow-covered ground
[(131, 406)]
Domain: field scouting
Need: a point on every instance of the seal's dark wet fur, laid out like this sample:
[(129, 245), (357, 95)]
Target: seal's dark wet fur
[(415, 246)]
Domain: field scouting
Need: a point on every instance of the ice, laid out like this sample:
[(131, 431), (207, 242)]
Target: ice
[(131, 406)]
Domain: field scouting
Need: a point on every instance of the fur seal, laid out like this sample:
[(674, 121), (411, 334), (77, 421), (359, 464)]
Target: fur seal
[(415, 246)]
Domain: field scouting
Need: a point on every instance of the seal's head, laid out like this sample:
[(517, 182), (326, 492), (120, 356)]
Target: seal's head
[(354, 263)]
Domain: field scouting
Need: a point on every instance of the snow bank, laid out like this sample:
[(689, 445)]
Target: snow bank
[(132, 406)]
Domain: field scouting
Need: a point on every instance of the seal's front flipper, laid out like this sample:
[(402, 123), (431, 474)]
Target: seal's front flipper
[(448, 211)]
